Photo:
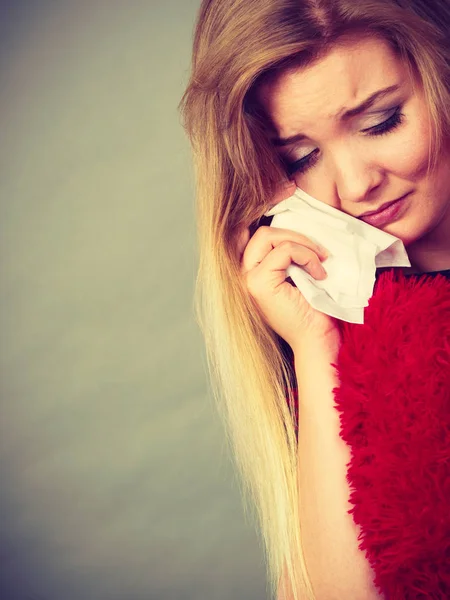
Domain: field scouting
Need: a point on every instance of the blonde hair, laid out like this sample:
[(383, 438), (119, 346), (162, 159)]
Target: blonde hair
[(236, 44)]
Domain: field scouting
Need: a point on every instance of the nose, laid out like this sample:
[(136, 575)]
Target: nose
[(356, 177)]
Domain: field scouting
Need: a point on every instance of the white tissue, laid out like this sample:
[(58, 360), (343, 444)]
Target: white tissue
[(355, 249)]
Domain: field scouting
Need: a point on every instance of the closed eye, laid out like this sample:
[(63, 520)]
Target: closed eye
[(307, 162)]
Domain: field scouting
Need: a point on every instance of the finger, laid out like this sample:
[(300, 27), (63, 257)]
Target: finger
[(267, 238), (287, 253), (271, 272), (285, 191), (242, 240)]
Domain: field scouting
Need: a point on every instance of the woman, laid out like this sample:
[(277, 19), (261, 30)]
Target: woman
[(349, 101)]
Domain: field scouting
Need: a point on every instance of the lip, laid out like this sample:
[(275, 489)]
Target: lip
[(387, 213), (382, 207)]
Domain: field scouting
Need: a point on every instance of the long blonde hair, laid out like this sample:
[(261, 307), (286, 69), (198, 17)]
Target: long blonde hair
[(236, 43)]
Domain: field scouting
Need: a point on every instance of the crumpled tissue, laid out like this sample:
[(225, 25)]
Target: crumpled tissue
[(356, 249)]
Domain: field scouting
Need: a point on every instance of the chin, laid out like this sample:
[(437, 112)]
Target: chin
[(405, 230)]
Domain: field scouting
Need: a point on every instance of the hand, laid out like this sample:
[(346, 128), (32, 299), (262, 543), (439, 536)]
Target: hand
[(265, 258)]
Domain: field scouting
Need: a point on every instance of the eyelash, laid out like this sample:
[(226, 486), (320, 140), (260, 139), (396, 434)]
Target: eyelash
[(302, 165)]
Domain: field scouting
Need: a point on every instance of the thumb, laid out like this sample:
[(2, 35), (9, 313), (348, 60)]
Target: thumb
[(284, 192), (242, 240)]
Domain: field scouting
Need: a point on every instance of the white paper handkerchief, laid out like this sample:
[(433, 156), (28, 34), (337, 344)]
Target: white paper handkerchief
[(355, 249)]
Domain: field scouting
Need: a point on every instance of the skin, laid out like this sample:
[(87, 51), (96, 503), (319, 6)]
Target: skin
[(355, 172)]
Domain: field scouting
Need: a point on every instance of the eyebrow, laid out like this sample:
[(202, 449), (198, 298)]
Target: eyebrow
[(277, 141)]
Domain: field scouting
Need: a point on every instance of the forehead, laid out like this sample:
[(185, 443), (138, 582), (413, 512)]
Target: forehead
[(357, 67)]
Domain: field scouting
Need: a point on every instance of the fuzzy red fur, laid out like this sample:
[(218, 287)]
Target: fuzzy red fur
[(394, 405)]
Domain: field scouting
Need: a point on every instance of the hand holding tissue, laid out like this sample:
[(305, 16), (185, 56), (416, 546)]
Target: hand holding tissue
[(355, 249)]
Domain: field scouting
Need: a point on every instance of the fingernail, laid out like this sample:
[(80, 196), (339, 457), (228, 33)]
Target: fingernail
[(289, 183)]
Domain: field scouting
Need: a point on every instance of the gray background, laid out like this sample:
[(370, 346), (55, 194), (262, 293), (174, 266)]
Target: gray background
[(116, 482)]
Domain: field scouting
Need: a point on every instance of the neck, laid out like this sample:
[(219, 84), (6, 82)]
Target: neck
[(432, 251), (428, 263)]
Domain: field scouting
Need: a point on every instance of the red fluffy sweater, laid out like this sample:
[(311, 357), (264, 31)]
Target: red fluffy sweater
[(394, 404)]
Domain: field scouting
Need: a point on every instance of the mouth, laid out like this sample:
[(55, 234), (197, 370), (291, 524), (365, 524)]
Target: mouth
[(382, 207), (391, 211)]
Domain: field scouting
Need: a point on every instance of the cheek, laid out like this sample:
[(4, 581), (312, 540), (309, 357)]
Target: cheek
[(406, 156)]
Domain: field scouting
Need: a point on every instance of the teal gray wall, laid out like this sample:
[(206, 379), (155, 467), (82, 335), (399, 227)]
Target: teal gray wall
[(116, 482)]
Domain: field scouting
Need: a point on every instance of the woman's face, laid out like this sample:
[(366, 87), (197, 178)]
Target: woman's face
[(357, 162)]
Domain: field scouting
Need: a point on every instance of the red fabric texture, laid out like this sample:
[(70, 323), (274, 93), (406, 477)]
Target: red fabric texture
[(394, 404)]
